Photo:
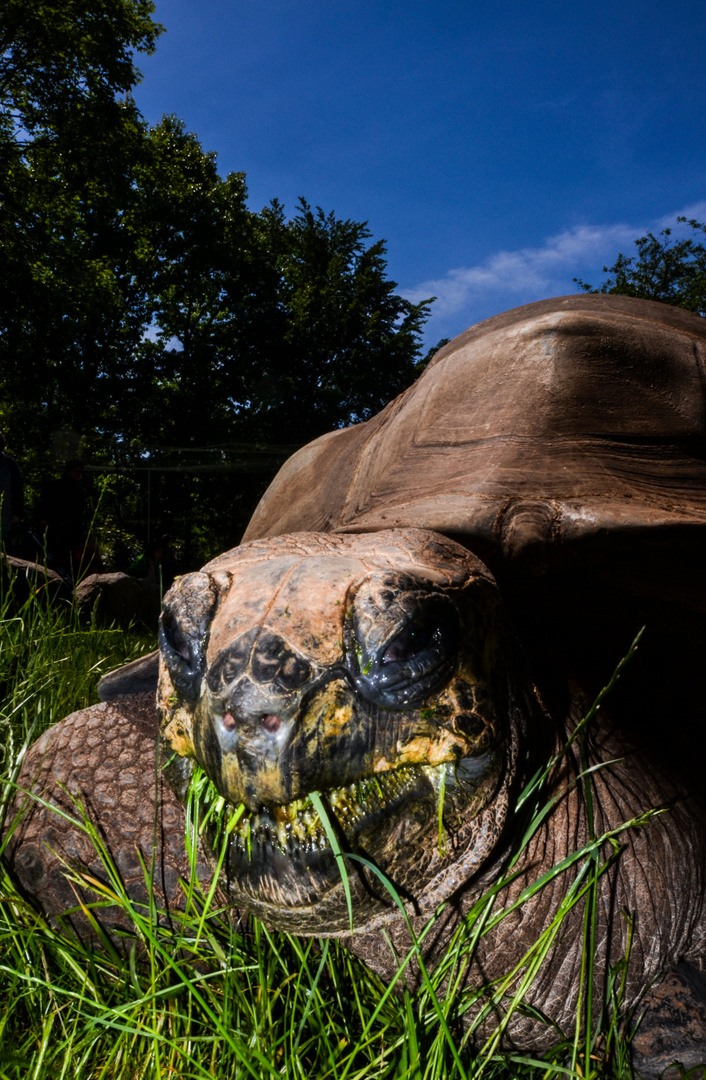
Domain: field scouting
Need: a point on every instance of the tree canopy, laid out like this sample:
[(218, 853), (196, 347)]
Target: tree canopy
[(671, 271), (144, 305), (65, 64)]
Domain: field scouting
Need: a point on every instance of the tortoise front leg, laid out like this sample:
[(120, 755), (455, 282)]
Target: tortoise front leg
[(103, 761)]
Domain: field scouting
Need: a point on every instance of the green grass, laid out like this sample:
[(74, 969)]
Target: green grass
[(208, 997)]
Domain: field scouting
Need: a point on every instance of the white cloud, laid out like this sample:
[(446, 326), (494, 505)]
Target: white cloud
[(467, 294), (523, 270), (695, 211)]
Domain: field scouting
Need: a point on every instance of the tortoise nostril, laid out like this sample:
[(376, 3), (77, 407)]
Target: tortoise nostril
[(229, 722), (271, 723)]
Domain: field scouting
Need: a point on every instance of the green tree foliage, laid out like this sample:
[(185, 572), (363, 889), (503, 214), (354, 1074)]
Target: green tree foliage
[(342, 343), (66, 67), (143, 305), (673, 272), (71, 306)]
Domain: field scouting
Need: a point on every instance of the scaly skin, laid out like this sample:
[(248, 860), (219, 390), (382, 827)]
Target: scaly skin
[(103, 757), (657, 878)]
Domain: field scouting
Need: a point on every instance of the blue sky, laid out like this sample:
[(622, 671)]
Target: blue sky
[(500, 149)]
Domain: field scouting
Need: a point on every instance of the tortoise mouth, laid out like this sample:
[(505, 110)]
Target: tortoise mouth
[(280, 856)]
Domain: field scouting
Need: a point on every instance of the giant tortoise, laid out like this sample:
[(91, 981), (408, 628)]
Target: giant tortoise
[(421, 610)]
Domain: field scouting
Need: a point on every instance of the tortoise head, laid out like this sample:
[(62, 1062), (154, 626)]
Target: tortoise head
[(375, 670)]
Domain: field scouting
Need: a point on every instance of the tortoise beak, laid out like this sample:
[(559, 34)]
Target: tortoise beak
[(266, 749), (251, 719), (251, 729)]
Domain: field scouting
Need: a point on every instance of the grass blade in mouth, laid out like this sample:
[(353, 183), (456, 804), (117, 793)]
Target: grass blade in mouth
[(355, 806), (335, 847), (221, 815), (442, 793)]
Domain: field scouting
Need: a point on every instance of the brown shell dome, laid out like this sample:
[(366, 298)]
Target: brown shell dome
[(548, 423)]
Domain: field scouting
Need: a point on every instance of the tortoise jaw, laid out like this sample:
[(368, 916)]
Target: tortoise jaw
[(279, 857)]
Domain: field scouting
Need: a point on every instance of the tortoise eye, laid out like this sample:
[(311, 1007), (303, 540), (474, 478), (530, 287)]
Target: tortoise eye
[(413, 663), (178, 639), (413, 640), (174, 638), (184, 626), (181, 654)]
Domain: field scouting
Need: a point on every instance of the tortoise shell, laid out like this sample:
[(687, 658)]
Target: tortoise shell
[(532, 430)]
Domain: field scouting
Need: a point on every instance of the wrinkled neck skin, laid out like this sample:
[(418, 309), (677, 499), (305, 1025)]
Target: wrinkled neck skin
[(650, 900)]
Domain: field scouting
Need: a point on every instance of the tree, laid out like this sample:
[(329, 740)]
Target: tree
[(67, 66), (266, 331), (205, 283), (144, 306), (71, 301), (338, 342), (673, 272)]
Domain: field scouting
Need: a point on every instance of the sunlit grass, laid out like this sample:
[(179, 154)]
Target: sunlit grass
[(206, 995)]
